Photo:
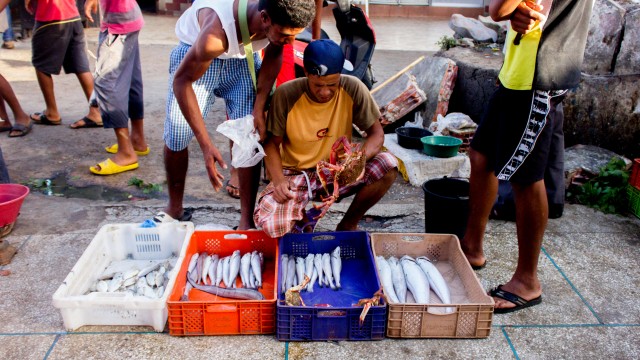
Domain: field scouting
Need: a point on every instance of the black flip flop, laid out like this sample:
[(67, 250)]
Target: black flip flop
[(187, 214), (479, 267), (24, 130), (42, 119), (514, 299), (88, 123)]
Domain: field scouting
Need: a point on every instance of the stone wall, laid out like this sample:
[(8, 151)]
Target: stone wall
[(605, 109)]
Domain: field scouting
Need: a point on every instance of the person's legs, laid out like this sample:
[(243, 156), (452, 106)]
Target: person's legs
[(8, 37), (46, 86), (176, 164), (9, 96), (531, 222), (136, 106), (86, 82), (249, 181), (483, 187), (365, 198)]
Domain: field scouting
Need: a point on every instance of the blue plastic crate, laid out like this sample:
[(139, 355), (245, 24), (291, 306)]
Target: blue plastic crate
[(331, 314)]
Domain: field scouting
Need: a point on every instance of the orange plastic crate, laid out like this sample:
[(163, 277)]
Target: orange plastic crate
[(207, 314), (634, 179)]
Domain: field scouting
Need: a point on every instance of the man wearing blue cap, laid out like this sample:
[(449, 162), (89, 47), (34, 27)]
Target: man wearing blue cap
[(306, 117)]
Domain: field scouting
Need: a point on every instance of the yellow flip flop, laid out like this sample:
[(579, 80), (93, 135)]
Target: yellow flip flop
[(114, 149), (108, 167)]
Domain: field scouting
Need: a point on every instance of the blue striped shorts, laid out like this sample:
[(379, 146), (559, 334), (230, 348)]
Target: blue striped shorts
[(228, 79)]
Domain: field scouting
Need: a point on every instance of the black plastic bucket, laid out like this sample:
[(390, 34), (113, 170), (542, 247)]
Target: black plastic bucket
[(446, 206)]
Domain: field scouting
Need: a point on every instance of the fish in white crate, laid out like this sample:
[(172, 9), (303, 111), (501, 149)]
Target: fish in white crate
[(417, 281), (385, 277), (436, 281), (336, 266), (399, 282)]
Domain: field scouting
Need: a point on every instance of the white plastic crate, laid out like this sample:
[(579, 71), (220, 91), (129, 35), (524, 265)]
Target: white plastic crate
[(116, 242)]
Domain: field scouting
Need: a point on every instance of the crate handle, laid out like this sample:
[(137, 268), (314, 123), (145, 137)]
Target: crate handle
[(235, 236), (332, 313), (414, 238), (218, 308), (323, 237)]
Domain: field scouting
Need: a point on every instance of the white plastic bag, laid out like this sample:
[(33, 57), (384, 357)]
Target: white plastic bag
[(246, 151)]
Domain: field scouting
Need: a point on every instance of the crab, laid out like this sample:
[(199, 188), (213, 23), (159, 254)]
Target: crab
[(367, 303), (292, 296), (347, 169)]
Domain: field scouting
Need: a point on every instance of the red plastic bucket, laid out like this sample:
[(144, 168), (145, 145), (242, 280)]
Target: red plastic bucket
[(11, 198)]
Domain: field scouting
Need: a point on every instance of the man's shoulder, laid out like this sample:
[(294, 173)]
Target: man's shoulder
[(354, 87), (292, 88)]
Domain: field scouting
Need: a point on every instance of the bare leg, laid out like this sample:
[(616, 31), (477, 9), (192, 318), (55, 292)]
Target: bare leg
[(46, 86), (86, 81), (137, 135), (249, 182), (365, 198), (233, 179), (531, 221), (176, 164), (7, 94), (125, 154), (483, 189)]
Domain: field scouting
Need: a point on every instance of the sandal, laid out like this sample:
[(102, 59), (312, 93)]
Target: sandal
[(42, 119), (108, 167), (233, 190), (86, 124), (519, 302), (23, 130), (114, 149)]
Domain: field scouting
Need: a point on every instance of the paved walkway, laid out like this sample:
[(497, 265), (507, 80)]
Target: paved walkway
[(589, 265)]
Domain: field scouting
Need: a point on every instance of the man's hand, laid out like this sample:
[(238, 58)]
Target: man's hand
[(259, 123), (211, 157), (526, 16), (90, 7), (281, 191)]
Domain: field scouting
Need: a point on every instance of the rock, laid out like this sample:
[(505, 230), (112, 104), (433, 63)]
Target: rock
[(603, 111), (466, 42), (605, 32), (500, 27), (467, 27), (628, 61), (588, 157)]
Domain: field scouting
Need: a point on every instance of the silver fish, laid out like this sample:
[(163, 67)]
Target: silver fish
[(244, 294), (256, 269), (192, 263), (115, 283), (245, 267), (252, 280), (299, 270), (417, 281), (234, 267), (336, 266), (225, 272), (291, 272), (213, 268), (397, 276), (308, 267), (284, 264), (187, 289), (220, 271), (205, 269), (436, 281), (151, 277), (200, 264), (314, 276), (385, 278), (317, 261), (326, 268), (102, 286)]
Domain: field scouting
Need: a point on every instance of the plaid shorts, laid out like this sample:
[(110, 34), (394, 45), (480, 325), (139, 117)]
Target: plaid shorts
[(228, 79), (277, 219)]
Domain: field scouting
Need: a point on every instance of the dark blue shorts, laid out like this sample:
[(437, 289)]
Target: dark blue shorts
[(59, 44)]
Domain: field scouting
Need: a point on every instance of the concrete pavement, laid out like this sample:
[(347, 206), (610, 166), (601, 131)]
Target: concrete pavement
[(589, 265)]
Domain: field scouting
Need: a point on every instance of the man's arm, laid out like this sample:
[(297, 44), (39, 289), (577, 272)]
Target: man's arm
[(375, 139), (90, 8), (4, 4), (316, 24), (523, 14), (273, 161), (268, 73), (210, 44)]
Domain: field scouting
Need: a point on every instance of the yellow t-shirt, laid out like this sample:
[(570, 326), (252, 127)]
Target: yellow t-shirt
[(308, 128), (519, 65)]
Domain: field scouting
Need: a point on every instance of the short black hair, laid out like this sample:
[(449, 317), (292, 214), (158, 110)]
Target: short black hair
[(289, 13)]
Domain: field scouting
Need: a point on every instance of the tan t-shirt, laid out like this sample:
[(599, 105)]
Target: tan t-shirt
[(308, 128)]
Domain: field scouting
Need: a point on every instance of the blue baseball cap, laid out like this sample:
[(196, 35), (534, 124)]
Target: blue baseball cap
[(324, 57)]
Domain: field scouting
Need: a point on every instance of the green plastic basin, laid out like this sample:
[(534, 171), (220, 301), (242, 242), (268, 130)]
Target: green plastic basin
[(441, 146)]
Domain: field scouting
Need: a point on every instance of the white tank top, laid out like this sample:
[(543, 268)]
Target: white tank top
[(188, 28)]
